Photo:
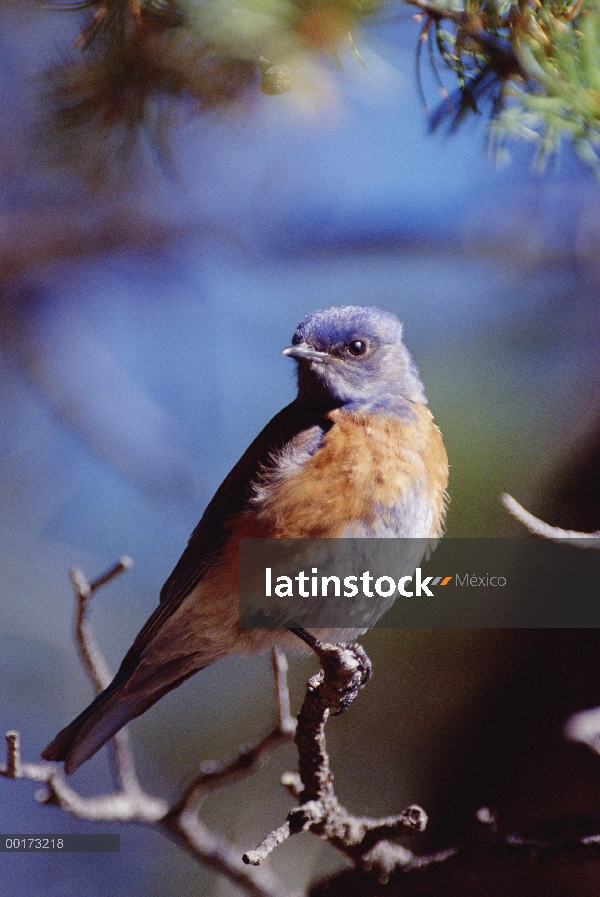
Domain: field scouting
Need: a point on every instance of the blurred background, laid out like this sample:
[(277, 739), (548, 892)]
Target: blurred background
[(142, 325)]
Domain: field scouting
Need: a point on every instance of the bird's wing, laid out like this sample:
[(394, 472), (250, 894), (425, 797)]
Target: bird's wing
[(142, 679), (295, 423)]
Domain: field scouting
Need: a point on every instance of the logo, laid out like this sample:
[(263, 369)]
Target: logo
[(384, 586), (421, 585)]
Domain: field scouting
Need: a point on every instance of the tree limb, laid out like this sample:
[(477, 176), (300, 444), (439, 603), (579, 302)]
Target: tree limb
[(366, 841), (555, 533), (129, 802)]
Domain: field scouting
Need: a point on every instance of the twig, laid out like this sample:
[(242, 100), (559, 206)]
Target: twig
[(286, 721), (584, 727), (117, 807), (129, 802), (248, 759), (91, 656), (492, 862), (555, 533), (216, 775), (123, 763), (13, 756)]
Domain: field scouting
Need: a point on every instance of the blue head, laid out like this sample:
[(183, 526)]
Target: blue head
[(355, 357)]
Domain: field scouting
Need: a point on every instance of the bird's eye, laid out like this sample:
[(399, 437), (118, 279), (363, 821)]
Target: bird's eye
[(357, 347), (296, 339)]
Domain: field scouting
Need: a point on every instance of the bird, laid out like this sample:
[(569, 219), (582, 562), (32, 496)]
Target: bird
[(355, 454)]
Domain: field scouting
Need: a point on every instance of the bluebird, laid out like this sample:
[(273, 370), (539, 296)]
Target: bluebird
[(356, 454)]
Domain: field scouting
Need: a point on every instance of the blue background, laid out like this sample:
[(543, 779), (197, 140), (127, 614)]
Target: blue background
[(140, 353)]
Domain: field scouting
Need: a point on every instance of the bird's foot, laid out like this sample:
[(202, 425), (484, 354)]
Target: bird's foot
[(345, 670)]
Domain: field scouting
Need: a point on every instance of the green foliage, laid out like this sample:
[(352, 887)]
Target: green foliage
[(136, 56), (531, 66), (560, 54)]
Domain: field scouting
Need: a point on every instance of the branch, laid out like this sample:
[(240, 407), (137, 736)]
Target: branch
[(539, 528), (117, 807), (366, 841), (129, 802), (91, 657), (545, 859), (123, 764), (502, 55), (369, 842), (582, 727)]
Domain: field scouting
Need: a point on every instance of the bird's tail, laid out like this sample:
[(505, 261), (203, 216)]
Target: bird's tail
[(130, 694)]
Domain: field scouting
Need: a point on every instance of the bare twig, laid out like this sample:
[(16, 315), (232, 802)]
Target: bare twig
[(216, 775), (248, 759), (13, 756), (89, 652), (286, 721), (117, 807), (555, 533), (492, 862), (123, 765), (584, 727), (130, 802)]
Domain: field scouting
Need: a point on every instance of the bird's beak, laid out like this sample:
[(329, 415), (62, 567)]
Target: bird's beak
[(304, 352)]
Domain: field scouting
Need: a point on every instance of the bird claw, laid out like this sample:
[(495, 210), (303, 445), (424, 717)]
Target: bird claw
[(347, 669), (365, 665)]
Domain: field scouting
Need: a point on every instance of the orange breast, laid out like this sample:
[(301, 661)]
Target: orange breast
[(367, 466)]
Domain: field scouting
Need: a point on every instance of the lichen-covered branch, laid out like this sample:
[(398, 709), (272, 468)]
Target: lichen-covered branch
[(367, 842)]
